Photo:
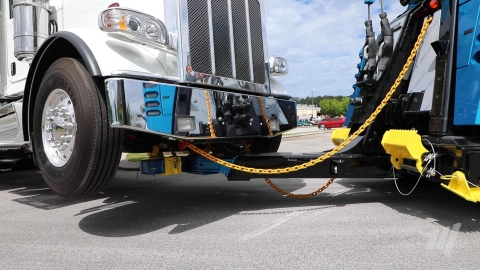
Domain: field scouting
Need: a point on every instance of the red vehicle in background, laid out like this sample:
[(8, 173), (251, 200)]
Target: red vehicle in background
[(329, 123)]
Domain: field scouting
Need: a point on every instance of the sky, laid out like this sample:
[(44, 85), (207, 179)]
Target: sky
[(321, 40)]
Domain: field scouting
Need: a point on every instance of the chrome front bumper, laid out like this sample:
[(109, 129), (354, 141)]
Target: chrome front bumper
[(155, 107)]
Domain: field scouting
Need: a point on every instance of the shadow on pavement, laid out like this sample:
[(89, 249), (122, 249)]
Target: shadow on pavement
[(185, 203), (34, 191), (428, 201), (191, 203), (136, 206)]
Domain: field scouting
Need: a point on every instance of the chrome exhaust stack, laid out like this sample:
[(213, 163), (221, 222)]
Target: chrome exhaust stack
[(30, 25)]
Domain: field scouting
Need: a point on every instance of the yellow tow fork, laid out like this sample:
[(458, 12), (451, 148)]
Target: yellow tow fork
[(460, 186), (404, 146)]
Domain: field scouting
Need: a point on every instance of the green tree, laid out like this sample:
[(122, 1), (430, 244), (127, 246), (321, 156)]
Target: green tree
[(316, 100), (334, 106), (327, 107), (330, 105)]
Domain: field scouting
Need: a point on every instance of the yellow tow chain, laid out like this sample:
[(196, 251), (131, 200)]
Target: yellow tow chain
[(299, 196), (209, 111), (267, 121), (339, 147), (286, 193)]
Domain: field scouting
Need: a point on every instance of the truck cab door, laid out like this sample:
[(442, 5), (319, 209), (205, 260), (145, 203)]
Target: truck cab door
[(4, 13), (16, 70)]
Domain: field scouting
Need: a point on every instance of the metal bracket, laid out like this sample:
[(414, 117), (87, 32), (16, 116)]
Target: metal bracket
[(460, 186)]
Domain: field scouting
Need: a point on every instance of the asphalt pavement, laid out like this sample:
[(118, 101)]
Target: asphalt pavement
[(305, 130), (205, 222)]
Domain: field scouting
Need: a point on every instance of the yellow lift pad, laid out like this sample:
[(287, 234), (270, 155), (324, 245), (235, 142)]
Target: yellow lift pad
[(163, 166), (339, 135), (173, 165), (459, 185), (402, 145)]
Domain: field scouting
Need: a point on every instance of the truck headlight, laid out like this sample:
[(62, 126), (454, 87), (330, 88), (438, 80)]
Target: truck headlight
[(278, 66), (137, 26)]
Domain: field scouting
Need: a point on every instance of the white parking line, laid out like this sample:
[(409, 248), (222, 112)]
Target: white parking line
[(340, 192), (277, 223)]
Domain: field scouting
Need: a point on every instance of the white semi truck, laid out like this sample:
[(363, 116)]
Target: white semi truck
[(83, 81)]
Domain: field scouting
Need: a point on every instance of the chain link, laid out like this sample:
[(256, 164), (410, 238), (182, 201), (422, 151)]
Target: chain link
[(209, 111), (339, 147), (299, 196), (286, 193), (246, 147), (267, 121)]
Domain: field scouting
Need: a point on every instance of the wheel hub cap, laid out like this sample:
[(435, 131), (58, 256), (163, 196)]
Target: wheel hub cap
[(58, 127)]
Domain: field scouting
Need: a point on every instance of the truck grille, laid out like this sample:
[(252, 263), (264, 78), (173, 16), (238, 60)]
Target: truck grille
[(244, 63)]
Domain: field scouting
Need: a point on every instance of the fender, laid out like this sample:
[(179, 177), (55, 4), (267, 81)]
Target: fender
[(276, 88), (114, 54), (101, 54)]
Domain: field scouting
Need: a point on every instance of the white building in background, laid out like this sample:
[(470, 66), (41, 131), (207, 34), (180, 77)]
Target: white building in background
[(306, 111)]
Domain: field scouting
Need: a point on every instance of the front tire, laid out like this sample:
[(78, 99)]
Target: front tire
[(76, 150), (322, 126)]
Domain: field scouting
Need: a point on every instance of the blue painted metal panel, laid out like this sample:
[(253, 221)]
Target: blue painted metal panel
[(152, 167), (467, 85), (356, 90), (159, 107), (168, 99), (201, 165), (461, 2), (467, 24)]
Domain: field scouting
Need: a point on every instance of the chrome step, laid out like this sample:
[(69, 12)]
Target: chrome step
[(14, 145), (11, 130)]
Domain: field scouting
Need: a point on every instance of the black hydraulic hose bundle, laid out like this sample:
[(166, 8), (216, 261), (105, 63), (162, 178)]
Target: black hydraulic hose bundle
[(378, 52), (387, 46), (371, 44)]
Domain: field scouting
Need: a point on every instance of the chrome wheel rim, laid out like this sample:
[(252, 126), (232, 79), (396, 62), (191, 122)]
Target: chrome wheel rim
[(58, 127)]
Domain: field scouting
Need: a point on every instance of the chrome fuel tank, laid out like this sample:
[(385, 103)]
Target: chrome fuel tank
[(30, 23)]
